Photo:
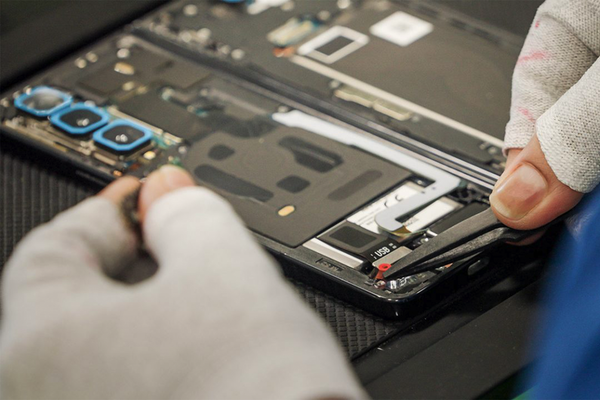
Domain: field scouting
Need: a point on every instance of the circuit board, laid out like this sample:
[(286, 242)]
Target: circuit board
[(415, 68)]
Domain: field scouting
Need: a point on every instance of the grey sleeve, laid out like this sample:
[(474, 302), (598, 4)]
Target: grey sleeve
[(556, 91), (217, 320)]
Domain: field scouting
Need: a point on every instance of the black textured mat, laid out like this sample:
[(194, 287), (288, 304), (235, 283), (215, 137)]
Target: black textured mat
[(356, 330), (33, 191)]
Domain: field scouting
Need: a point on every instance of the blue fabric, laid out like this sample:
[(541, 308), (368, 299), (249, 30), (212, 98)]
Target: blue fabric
[(568, 343)]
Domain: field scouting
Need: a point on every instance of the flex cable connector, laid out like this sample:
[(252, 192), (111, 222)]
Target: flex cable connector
[(442, 182), (424, 218)]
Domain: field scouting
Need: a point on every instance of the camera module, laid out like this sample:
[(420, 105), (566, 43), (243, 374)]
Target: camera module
[(122, 137), (43, 101), (79, 119)]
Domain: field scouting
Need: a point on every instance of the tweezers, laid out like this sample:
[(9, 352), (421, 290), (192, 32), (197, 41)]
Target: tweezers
[(471, 236)]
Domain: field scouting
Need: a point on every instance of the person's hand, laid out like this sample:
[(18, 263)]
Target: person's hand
[(555, 117), (217, 320)]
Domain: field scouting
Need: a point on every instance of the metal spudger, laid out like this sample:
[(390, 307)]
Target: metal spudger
[(468, 237)]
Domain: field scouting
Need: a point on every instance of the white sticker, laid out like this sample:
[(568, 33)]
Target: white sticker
[(366, 217), (334, 44), (401, 28), (430, 214), (259, 6)]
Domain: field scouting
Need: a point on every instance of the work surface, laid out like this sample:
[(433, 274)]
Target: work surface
[(461, 350)]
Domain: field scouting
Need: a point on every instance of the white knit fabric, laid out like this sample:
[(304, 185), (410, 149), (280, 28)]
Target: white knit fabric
[(556, 91), (217, 321)]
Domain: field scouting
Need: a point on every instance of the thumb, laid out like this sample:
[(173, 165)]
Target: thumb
[(161, 182), (192, 232), (528, 194), (183, 222)]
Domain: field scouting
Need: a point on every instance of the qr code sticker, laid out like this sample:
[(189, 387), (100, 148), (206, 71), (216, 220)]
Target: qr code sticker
[(401, 28)]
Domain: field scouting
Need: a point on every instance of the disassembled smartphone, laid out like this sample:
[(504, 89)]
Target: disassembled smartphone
[(335, 196)]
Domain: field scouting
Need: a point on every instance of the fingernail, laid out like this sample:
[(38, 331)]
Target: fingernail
[(519, 193), (175, 177)]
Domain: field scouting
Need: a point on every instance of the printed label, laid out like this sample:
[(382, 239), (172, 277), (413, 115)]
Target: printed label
[(401, 28)]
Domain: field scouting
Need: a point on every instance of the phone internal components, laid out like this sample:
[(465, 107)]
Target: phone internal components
[(43, 101), (261, 174), (430, 76), (79, 119), (460, 215), (152, 109), (123, 137), (293, 31), (352, 238), (310, 187), (334, 44), (331, 252), (430, 214)]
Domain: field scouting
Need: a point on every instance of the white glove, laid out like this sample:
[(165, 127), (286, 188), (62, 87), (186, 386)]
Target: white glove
[(556, 94), (216, 321)]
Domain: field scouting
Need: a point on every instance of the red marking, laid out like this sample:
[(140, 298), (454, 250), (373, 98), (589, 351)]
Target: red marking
[(527, 114), (536, 55), (537, 24), (382, 268)]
